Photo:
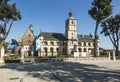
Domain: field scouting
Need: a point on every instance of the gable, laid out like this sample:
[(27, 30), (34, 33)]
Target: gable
[(28, 37)]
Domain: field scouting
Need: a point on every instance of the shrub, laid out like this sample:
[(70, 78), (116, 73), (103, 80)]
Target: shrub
[(64, 56), (103, 54)]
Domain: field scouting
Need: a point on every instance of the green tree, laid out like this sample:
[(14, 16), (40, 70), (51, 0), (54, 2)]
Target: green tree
[(0, 40), (14, 42), (101, 10), (111, 28), (5, 45), (8, 14)]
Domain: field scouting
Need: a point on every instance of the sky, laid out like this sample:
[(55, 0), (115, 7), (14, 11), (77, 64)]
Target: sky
[(50, 16)]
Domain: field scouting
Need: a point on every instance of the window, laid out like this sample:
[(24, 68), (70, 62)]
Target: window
[(85, 50), (51, 49), (52, 43), (29, 35), (45, 43), (84, 44), (89, 44), (72, 42), (58, 43), (45, 49), (72, 22), (79, 44), (79, 49), (57, 49)]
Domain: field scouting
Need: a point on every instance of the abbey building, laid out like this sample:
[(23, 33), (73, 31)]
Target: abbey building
[(52, 44)]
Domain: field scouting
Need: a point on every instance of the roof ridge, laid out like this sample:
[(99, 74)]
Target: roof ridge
[(53, 32)]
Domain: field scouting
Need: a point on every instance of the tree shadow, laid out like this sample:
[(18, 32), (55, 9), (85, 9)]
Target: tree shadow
[(66, 72)]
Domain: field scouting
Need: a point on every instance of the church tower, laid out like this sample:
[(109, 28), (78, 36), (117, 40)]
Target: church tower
[(71, 34)]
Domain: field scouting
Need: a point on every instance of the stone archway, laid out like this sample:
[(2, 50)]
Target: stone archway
[(52, 51), (46, 51)]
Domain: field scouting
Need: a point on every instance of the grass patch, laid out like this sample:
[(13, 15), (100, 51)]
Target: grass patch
[(64, 56), (12, 57)]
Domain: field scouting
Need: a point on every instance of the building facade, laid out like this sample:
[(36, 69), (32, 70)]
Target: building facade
[(52, 44)]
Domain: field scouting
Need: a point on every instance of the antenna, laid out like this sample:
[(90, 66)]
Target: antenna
[(40, 32), (31, 21)]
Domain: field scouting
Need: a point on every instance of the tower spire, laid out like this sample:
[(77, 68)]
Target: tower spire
[(40, 32), (70, 13)]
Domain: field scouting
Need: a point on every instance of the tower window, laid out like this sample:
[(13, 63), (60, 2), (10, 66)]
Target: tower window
[(72, 42), (72, 22)]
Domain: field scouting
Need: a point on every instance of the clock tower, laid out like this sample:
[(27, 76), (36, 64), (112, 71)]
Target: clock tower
[(71, 34)]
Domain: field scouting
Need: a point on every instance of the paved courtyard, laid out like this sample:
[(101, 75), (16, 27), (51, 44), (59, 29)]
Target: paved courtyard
[(83, 71)]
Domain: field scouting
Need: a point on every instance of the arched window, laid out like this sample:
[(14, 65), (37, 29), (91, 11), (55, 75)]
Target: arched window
[(51, 49), (52, 43), (89, 49), (57, 49), (46, 50), (79, 44), (72, 22), (84, 44), (79, 49), (45, 43), (85, 49), (71, 33), (89, 44)]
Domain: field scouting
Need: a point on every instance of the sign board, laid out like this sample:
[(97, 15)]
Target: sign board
[(76, 54), (38, 44), (84, 54)]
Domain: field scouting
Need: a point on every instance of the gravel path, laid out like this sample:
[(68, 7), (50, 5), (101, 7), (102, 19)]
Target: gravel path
[(83, 71)]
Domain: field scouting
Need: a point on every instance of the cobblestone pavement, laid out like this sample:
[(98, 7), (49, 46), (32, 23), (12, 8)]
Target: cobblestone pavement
[(83, 71)]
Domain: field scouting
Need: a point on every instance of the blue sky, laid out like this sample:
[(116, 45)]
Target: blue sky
[(50, 16)]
